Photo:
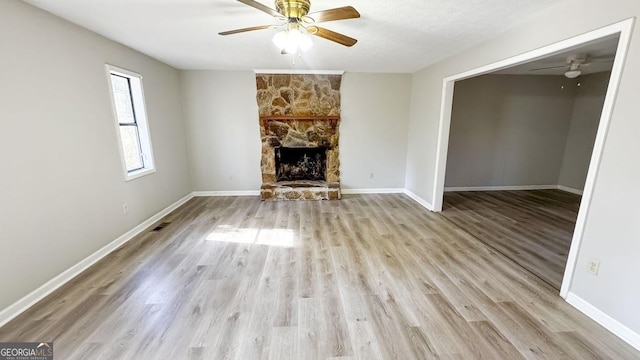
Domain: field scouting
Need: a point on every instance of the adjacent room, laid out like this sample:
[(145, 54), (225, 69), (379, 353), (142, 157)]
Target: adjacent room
[(519, 149), (296, 179)]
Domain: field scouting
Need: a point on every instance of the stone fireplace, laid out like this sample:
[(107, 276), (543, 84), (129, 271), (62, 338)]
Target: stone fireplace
[(299, 127)]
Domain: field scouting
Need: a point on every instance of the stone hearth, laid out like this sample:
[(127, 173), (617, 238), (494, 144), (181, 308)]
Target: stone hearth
[(300, 111)]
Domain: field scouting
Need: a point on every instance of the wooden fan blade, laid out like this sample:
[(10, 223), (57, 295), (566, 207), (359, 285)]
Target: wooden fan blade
[(332, 36), (550, 67), (236, 31), (346, 12), (604, 59), (263, 8)]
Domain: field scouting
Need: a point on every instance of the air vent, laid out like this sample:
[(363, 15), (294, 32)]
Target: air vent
[(160, 226)]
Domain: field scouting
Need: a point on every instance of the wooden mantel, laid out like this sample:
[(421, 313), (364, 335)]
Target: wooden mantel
[(265, 120)]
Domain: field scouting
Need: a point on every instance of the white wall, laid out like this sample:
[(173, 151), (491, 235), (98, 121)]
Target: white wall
[(62, 186), (224, 136), (582, 132), (612, 230), (509, 130)]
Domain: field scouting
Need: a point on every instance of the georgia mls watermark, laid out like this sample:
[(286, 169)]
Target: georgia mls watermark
[(26, 351)]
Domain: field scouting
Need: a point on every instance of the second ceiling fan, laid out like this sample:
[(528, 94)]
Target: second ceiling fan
[(297, 22), (574, 64)]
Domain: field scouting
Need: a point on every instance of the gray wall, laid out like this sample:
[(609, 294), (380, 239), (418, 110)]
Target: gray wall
[(223, 133), (224, 137), (62, 186), (612, 227), (509, 130), (582, 132)]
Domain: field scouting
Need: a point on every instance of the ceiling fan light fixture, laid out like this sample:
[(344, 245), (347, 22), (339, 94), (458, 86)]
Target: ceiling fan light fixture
[(292, 40), (572, 74), (280, 39)]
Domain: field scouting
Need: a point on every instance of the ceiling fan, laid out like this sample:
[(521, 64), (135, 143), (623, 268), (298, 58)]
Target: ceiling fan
[(296, 23), (574, 65)]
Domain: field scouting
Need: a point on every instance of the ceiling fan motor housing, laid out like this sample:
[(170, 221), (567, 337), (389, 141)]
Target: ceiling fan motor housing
[(293, 8)]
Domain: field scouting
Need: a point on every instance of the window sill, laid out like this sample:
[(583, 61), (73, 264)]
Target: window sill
[(138, 173)]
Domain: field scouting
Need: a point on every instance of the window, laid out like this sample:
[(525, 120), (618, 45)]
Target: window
[(131, 122)]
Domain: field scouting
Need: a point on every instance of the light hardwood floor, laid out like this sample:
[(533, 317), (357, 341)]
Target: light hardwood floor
[(533, 228), (367, 277)]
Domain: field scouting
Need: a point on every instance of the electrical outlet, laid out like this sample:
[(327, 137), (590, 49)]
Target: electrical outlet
[(125, 208), (594, 267)]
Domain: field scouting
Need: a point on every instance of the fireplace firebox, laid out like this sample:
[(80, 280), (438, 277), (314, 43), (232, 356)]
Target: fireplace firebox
[(300, 157), (301, 163)]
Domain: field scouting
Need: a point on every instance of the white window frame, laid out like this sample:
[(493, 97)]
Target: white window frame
[(140, 111)]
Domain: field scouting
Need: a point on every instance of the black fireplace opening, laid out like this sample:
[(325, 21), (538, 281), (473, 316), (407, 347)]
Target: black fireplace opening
[(301, 163)]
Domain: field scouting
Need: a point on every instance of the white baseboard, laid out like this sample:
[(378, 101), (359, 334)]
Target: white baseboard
[(609, 323), (570, 190), (257, 192), (47, 288), (510, 188), (372, 191), (500, 188), (419, 200), (228, 193)]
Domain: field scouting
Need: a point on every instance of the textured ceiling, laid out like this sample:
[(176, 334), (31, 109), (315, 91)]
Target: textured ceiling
[(393, 36)]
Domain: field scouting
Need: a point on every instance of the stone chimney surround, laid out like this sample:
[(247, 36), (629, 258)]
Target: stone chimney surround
[(299, 111)]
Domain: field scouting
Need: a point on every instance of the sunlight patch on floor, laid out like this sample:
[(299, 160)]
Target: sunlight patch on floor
[(270, 237)]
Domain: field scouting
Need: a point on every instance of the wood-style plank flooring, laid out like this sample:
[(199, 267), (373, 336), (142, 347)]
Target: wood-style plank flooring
[(368, 277), (533, 228)]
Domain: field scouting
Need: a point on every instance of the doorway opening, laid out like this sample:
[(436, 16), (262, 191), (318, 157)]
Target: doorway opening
[(620, 30), (520, 142)]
